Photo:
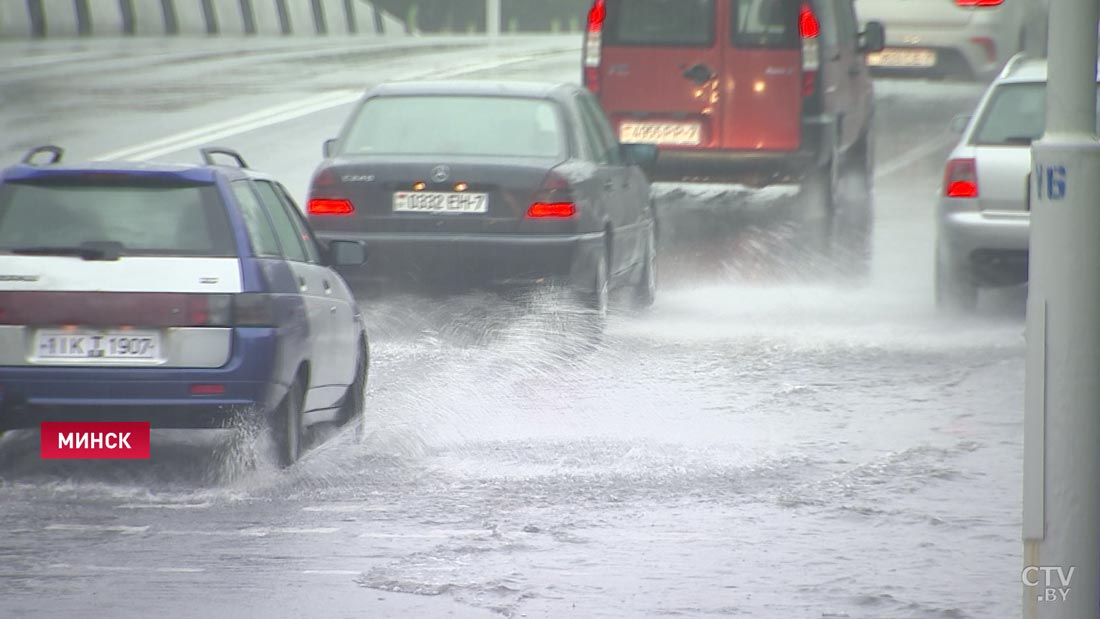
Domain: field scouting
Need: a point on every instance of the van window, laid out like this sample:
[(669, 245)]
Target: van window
[(672, 23), (765, 23)]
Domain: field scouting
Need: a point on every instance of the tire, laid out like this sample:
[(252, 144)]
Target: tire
[(288, 427), (816, 209), (645, 292), (955, 292), (853, 218), (594, 292)]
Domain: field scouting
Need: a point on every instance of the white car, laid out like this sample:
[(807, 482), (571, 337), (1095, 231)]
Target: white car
[(983, 216), (937, 38)]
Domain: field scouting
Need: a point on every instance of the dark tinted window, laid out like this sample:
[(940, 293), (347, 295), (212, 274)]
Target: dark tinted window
[(603, 138), (457, 125), (765, 23), (313, 253), (678, 23), (284, 227), (256, 222), (145, 217)]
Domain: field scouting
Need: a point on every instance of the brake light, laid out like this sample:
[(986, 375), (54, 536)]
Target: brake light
[(593, 41), (960, 179), (328, 206), (809, 29), (560, 210), (979, 2), (554, 199), (207, 389)]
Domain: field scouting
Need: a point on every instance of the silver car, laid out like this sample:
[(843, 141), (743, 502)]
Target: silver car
[(983, 216), (937, 38)]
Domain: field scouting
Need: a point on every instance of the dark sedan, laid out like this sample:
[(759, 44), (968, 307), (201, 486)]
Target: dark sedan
[(488, 184)]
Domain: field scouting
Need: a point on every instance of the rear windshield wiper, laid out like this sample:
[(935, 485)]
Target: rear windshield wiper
[(104, 251)]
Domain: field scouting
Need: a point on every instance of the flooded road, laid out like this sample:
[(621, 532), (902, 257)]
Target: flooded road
[(759, 444)]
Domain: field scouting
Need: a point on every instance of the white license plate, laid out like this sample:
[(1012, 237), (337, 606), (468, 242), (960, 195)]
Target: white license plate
[(96, 346), (675, 134), (440, 202), (895, 57)]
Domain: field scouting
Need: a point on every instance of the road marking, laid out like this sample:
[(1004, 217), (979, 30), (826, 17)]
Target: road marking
[(334, 572), (117, 568), (344, 508), (283, 113), (912, 156), (98, 528), (253, 532), (164, 506)]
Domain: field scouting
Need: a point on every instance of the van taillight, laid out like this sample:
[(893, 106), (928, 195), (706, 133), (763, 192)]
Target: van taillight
[(809, 29), (246, 309), (960, 179), (593, 41), (554, 199), (979, 2)]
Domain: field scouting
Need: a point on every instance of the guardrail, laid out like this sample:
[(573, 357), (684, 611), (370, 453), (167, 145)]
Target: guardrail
[(80, 18)]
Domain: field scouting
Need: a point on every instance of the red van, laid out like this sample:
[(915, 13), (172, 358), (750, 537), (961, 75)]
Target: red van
[(737, 91)]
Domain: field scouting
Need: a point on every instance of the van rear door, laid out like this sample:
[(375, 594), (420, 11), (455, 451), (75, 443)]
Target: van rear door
[(659, 70), (762, 61)]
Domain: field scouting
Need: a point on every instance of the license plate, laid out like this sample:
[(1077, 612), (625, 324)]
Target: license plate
[(96, 346), (675, 134), (440, 202), (896, 57)]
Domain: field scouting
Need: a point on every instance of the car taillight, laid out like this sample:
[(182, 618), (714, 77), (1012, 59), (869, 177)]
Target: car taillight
[(329, 206), (146, 310), (979, 2), (809, 29), (592, 44), (960, 179), (554, 199)]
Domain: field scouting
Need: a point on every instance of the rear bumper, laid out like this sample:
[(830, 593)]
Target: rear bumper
[(749, 167), (30, 395), (462, 261), (992, 247), (959, 50)]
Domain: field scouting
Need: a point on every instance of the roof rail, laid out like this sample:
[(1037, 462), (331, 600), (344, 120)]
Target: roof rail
[(1014, 62), (57, 152), (209, 152)]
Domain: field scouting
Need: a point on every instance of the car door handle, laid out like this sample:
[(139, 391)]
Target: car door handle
[(302, 284), (700, 74), (332, 309), (328, 289)]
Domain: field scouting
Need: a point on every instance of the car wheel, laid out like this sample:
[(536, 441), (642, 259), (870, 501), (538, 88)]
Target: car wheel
[(954, 291), (288, 426), (594, 294), (816, 205), (646, 291), (352, 409)]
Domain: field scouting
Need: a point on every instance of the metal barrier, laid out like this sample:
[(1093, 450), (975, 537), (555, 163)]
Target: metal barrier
[(83, 18)]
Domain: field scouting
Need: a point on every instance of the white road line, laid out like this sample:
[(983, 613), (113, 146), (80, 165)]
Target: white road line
[(344, 508), (280, 114), (118, 568), (98, 528), (334, 572), (912, 156), (255, 120), (252, 532), (164, 506)]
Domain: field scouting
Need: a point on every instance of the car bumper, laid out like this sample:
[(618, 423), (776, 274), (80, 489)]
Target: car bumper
[(749, 167), (473, 260), (959, 50), (30, 395), (992, 246)]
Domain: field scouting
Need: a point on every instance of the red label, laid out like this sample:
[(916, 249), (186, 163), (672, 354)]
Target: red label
[(125, 440)]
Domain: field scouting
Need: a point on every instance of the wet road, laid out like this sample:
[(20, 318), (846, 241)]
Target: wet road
[(756, 445)]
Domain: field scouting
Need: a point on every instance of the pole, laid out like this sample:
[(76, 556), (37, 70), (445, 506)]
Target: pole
[(492, 18), (1061, 519)]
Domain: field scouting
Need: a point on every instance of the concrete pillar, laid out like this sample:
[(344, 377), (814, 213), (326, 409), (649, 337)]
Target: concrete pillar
[(60, 18), (336, 17), (190, 17), (300, 14), (148, 18), (105, 17), (15, 19), (229, 17), (266, 13)]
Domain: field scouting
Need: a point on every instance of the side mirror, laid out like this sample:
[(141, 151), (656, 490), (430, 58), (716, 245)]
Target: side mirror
[(642, 155), (329, 148), (959, 123), (347, 253), (873, 38)]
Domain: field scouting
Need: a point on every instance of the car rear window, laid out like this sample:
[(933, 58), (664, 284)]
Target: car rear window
[(1015, 115), (660, 23), (457, 125), (146, 218), (765, 23)]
